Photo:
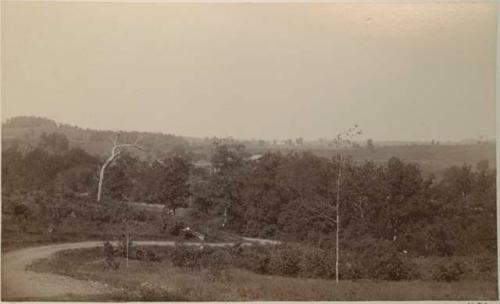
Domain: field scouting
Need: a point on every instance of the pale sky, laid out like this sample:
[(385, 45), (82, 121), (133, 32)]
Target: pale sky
[(400, 71)]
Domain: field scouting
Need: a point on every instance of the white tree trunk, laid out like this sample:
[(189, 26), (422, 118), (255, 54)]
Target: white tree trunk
[(115, 152), (127, 243), (225, 218), (339, 177), (101, 177)]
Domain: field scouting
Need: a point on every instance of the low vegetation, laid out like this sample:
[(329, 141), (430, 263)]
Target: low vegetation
[(191, 274)]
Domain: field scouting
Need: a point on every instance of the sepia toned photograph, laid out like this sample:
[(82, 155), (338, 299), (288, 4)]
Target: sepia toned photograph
[(161, 151)]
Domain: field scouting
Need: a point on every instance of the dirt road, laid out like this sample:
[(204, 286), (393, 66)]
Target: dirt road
[(21, 284)]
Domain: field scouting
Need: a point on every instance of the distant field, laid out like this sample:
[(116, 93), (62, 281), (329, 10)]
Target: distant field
[(162, 281), (431, 158)]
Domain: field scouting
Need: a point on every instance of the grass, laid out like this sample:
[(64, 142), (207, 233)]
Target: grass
[(156, 281)]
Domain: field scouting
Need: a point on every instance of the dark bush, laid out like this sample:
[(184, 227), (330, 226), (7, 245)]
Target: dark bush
[(382, 261), (186, 257), (285, 260), (255, 259), (216, 261), (486, 265), (121, 250), (217, 258), (201, 257), (140, 216), (318, 263), (109, 261), (449, 271), (147, 255), (21, 211), (174, 228)]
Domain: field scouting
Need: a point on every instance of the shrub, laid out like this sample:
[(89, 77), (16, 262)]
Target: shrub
[(121, 250), (216, 261), (140, 216), (147, 255), (285, 260), (22, 214), (449, 271), (174, 227), (151, 256), (317, 263), (353, 267), (383, 262), (152, 292), (255, 259), (197, 258), (186, 257), (21, 211), (109, 261), (486, 265)]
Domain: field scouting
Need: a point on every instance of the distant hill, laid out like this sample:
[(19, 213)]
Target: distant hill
[(432, 158), (27, 130)]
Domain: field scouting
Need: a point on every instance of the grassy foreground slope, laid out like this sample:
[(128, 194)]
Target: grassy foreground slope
[(158, 281)]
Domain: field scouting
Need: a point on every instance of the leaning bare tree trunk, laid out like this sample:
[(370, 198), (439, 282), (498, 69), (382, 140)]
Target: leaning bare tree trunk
[(101, 176), (115, 152), (339, 177)]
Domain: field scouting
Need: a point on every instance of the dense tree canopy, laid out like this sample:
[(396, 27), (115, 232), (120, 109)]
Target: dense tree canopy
[(284, 196)]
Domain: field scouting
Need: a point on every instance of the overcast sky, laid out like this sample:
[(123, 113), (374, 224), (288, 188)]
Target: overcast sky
[(400, 71)]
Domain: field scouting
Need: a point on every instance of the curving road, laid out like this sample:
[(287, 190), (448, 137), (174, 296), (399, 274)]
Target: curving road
[(21, 284)]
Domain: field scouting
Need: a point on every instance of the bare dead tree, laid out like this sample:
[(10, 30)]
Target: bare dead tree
[(115, 152)]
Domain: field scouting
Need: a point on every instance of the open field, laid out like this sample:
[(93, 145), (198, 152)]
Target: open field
[(432, 159), (162, 281)]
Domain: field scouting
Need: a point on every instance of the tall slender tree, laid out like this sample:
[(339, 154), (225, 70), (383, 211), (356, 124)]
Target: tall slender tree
[(341, 141)]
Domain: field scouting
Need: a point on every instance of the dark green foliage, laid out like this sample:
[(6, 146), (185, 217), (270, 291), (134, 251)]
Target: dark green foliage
[(285, 260), (383, 262), (390, 211), (186, 257), (69, 173), (254, 259), (166, 182), (121, 250), (319, 263), (380, 262), (109, 260), (22, 214), (449, 271), (55, 143), (200, 257), (21, 211), (147, 255)]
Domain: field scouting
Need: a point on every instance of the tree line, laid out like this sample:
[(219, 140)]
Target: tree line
[(292, 197), (287, 196)]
